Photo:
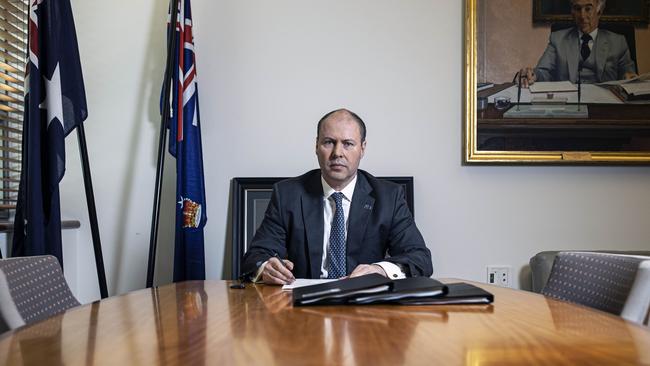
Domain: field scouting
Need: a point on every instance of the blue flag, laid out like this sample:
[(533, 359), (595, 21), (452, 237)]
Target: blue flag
[(185, 146), (55, 103)]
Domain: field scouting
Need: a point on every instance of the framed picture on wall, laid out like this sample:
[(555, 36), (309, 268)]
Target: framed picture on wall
[(608, 126), (630, 11)]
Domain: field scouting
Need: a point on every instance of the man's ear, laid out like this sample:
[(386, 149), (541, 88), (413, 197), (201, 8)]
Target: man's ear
[(363, 148)]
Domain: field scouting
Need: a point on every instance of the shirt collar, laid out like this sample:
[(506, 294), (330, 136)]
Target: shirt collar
[(347, 191), (593, 34)]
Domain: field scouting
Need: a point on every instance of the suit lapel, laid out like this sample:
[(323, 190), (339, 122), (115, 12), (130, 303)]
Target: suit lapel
[(601, 45), (312, 214), (360, 209), (573, 52)]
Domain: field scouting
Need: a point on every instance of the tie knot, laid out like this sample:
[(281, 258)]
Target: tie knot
[(586, 38), (338, 197)]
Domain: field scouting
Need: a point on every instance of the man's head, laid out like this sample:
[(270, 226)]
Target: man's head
[(586, 13), (340, 145)]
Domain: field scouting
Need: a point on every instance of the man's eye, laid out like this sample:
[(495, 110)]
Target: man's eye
[(327, 142), (348, 144)]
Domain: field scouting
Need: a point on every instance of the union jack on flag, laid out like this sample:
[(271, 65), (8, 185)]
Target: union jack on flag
[(185, 145), (55, 103)]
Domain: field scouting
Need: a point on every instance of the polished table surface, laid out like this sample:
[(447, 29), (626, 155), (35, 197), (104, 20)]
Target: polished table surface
[(195, 323)]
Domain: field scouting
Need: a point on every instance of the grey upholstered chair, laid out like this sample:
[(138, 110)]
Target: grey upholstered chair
[(32, 289), (617, 284)]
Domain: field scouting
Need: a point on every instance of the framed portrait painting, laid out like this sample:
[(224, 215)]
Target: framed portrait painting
[(577, 120)]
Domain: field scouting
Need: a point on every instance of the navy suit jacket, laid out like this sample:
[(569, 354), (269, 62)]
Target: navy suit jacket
[(379, 224)]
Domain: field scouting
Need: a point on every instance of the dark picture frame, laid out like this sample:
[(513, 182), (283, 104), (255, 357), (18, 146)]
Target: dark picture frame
[(627, 11), (250, 197), (612, 134)]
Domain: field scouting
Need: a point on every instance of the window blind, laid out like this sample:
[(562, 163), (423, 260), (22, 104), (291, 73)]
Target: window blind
[(13, 54)]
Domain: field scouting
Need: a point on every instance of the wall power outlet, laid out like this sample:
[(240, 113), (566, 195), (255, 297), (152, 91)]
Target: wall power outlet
[(499, 275)]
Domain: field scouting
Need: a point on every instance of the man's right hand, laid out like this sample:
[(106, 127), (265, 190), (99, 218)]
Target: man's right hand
[(527, 76), (276, 273)]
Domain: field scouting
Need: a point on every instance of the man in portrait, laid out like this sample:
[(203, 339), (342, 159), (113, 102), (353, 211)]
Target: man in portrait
[(584, 51)]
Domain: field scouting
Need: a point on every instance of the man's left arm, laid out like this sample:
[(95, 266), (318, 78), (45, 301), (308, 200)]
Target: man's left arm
[(626, 66), (406, 245)]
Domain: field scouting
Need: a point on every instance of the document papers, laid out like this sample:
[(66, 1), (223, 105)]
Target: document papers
[(337, 292), (374, 288), (638, 88), (642, 77), (553, 86), (591, 93), (302, 282)]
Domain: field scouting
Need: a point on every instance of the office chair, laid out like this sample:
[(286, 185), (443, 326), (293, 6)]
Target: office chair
[(617, 284), (32, 289)]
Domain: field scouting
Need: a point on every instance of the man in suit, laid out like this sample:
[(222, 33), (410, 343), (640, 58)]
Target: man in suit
[(598, 55), (337, 221)]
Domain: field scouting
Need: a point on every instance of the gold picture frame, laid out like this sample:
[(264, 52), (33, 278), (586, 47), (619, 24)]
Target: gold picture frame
[(473, 155)]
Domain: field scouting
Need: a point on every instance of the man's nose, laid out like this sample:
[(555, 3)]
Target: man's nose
[(337, 150)]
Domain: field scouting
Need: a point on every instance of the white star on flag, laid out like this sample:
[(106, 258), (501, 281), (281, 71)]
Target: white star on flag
[(53, 98)]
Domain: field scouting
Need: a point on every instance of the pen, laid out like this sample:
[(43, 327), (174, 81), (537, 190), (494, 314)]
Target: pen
[(519, 92)]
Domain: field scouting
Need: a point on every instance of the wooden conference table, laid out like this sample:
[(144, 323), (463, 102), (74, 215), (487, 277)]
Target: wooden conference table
[(195, 323)]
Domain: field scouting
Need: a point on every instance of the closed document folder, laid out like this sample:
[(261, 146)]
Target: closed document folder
[(338, 292), (457, 293), (407, 288)]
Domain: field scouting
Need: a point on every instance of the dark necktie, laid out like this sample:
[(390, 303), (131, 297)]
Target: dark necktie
[(337, 240), (584, 48)]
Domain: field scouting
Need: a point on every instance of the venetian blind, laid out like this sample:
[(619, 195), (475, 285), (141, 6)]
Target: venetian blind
[(13, 46)]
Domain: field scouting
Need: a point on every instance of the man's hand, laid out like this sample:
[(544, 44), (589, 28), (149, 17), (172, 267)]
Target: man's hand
[(276, 273), (364, 269), (629, 75), (527, 76)]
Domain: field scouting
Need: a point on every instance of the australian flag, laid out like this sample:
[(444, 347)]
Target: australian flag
[(185, 146), (55, 103)]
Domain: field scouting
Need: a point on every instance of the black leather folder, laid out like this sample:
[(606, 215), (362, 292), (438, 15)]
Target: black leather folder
[(407, 288), (338, 292), (457, 293)]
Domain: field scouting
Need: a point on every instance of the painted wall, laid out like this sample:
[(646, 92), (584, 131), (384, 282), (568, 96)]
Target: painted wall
[(267, 72), (512, 41)]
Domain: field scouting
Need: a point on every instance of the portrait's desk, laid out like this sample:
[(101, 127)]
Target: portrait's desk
[(196, 323), (610, 127)]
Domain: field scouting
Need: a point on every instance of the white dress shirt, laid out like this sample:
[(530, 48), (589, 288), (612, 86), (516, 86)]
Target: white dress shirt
[(329, 206)]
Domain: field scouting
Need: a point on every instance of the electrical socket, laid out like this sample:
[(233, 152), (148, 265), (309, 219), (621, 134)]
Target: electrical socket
[(499, 275)]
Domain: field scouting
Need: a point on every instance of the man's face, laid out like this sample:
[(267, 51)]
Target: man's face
[(339, 149), (586, 14)]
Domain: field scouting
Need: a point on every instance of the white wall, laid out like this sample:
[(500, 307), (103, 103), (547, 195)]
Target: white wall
[(268, 70)]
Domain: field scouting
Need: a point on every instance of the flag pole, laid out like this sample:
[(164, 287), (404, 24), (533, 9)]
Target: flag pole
[(162, 142), (92, 211)]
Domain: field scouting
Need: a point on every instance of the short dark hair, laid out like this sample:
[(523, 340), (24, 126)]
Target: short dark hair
[(355, 117), (600, 7)]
